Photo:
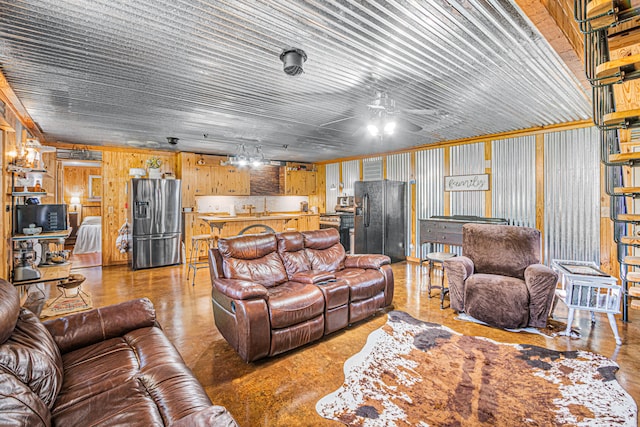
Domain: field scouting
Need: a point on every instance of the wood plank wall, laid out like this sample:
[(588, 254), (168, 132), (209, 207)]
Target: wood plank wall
[(115, 176)]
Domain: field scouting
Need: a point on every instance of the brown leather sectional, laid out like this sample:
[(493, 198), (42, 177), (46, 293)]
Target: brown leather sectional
[(275, 292), (108, 366)]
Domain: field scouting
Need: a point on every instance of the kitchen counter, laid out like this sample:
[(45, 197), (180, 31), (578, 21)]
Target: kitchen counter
[(223, 225), (227, 218)]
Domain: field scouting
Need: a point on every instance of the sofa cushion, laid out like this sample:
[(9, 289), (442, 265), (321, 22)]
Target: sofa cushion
[(321, 239), (9, 309), (31, 355), (363, 284), (137, 379), (501, 301), (291, 250), (19, 406), (253, 258), (324, 250), (293, 302)]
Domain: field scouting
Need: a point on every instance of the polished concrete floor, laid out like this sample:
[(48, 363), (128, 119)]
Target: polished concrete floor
[(283, 391)]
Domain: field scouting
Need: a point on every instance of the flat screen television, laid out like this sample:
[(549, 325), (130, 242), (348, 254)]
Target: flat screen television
[(49, 217)]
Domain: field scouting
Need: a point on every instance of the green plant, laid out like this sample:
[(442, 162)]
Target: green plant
[(154, 162)]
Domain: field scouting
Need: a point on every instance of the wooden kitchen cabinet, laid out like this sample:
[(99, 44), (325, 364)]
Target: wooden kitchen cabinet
[(308, 222), (229, 181), (300, 182), (202, 182)]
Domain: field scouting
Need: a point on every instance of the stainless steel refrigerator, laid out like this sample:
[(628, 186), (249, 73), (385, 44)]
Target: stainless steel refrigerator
[(380, 218), (155, 218)]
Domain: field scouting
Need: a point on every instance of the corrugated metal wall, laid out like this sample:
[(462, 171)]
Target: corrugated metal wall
[(399, 169), (513, 180), (372, 169), (350, 174), (572, 195), (465, 160), (429, 176), (332, 181)]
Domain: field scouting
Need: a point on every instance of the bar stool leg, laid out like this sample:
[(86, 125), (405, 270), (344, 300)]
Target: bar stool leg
[(443, 290), (430, 272)]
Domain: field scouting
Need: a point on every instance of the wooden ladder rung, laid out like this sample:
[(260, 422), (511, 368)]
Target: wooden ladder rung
[(629, 145), (626, 190), (632, 260), (635, 304), (630, 240), (629, 217), (634, 276), (621, 118), (604, 13), (616, 70), (634, 291), (624, 157), (596, 8)]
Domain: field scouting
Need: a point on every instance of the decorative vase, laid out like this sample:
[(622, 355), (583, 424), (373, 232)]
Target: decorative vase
[(154, 173)]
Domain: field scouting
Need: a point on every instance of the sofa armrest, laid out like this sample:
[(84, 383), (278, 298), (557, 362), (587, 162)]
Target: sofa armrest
[(89, 327), (541, 283), (457, 269), (212, 416), (366, 261), (240, 289), (313, 277)]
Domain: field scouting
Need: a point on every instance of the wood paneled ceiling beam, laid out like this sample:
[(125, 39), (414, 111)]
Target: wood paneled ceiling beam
[(12, 102), (554, 19)]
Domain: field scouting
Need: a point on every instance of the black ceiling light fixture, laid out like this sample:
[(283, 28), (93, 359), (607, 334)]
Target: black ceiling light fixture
[(293, 59), (172, 140)]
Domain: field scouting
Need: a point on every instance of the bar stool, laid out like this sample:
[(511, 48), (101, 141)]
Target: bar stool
[(198, 242), (439, 258)]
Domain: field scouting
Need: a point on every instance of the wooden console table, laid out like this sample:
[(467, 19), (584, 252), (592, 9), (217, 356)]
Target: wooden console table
[(447, 230)]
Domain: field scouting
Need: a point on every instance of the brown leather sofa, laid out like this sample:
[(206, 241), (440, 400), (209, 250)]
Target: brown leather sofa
[(108, 366), (275, 292)]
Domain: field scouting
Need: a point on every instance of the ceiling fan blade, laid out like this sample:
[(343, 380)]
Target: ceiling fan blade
[(405, 124), (337, 121)]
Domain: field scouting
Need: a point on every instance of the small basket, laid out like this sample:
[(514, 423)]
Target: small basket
[(73, 281)]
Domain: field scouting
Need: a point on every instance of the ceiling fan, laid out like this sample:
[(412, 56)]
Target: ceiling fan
[(382, 117)]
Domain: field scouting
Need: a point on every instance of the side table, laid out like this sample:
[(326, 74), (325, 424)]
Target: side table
[(586, 287), (438, 258)]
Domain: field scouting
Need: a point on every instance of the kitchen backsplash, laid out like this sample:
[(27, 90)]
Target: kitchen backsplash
[(223, 204)]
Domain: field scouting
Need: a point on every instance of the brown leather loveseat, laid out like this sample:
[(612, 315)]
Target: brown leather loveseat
[(275, 292), (108, 366)]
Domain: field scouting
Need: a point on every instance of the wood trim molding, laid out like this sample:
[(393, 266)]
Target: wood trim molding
[(9, 97), (554, 19)]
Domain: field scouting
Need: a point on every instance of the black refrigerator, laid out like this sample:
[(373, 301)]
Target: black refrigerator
[(155, 218), (380, 218)]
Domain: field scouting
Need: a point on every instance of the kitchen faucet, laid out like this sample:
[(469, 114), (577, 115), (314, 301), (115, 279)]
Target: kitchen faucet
[(250, 208)]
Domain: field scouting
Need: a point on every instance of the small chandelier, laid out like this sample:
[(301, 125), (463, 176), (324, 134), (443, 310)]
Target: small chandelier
[(244, 158)]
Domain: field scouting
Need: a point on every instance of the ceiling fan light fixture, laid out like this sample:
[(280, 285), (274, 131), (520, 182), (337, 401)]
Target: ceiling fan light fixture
[(390, 127), (373, 129), (293, 59)]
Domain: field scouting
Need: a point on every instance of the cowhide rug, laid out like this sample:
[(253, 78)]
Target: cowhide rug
[(414, 373)]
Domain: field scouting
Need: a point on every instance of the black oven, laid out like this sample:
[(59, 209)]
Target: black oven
[(342, 222)]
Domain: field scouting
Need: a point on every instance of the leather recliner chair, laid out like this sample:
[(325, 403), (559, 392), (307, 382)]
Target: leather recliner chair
[(499, 279)]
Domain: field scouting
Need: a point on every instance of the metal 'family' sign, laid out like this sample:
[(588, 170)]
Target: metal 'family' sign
[(478, 182)]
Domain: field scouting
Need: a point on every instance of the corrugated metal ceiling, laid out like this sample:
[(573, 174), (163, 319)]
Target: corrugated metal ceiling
[(113, 72)]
